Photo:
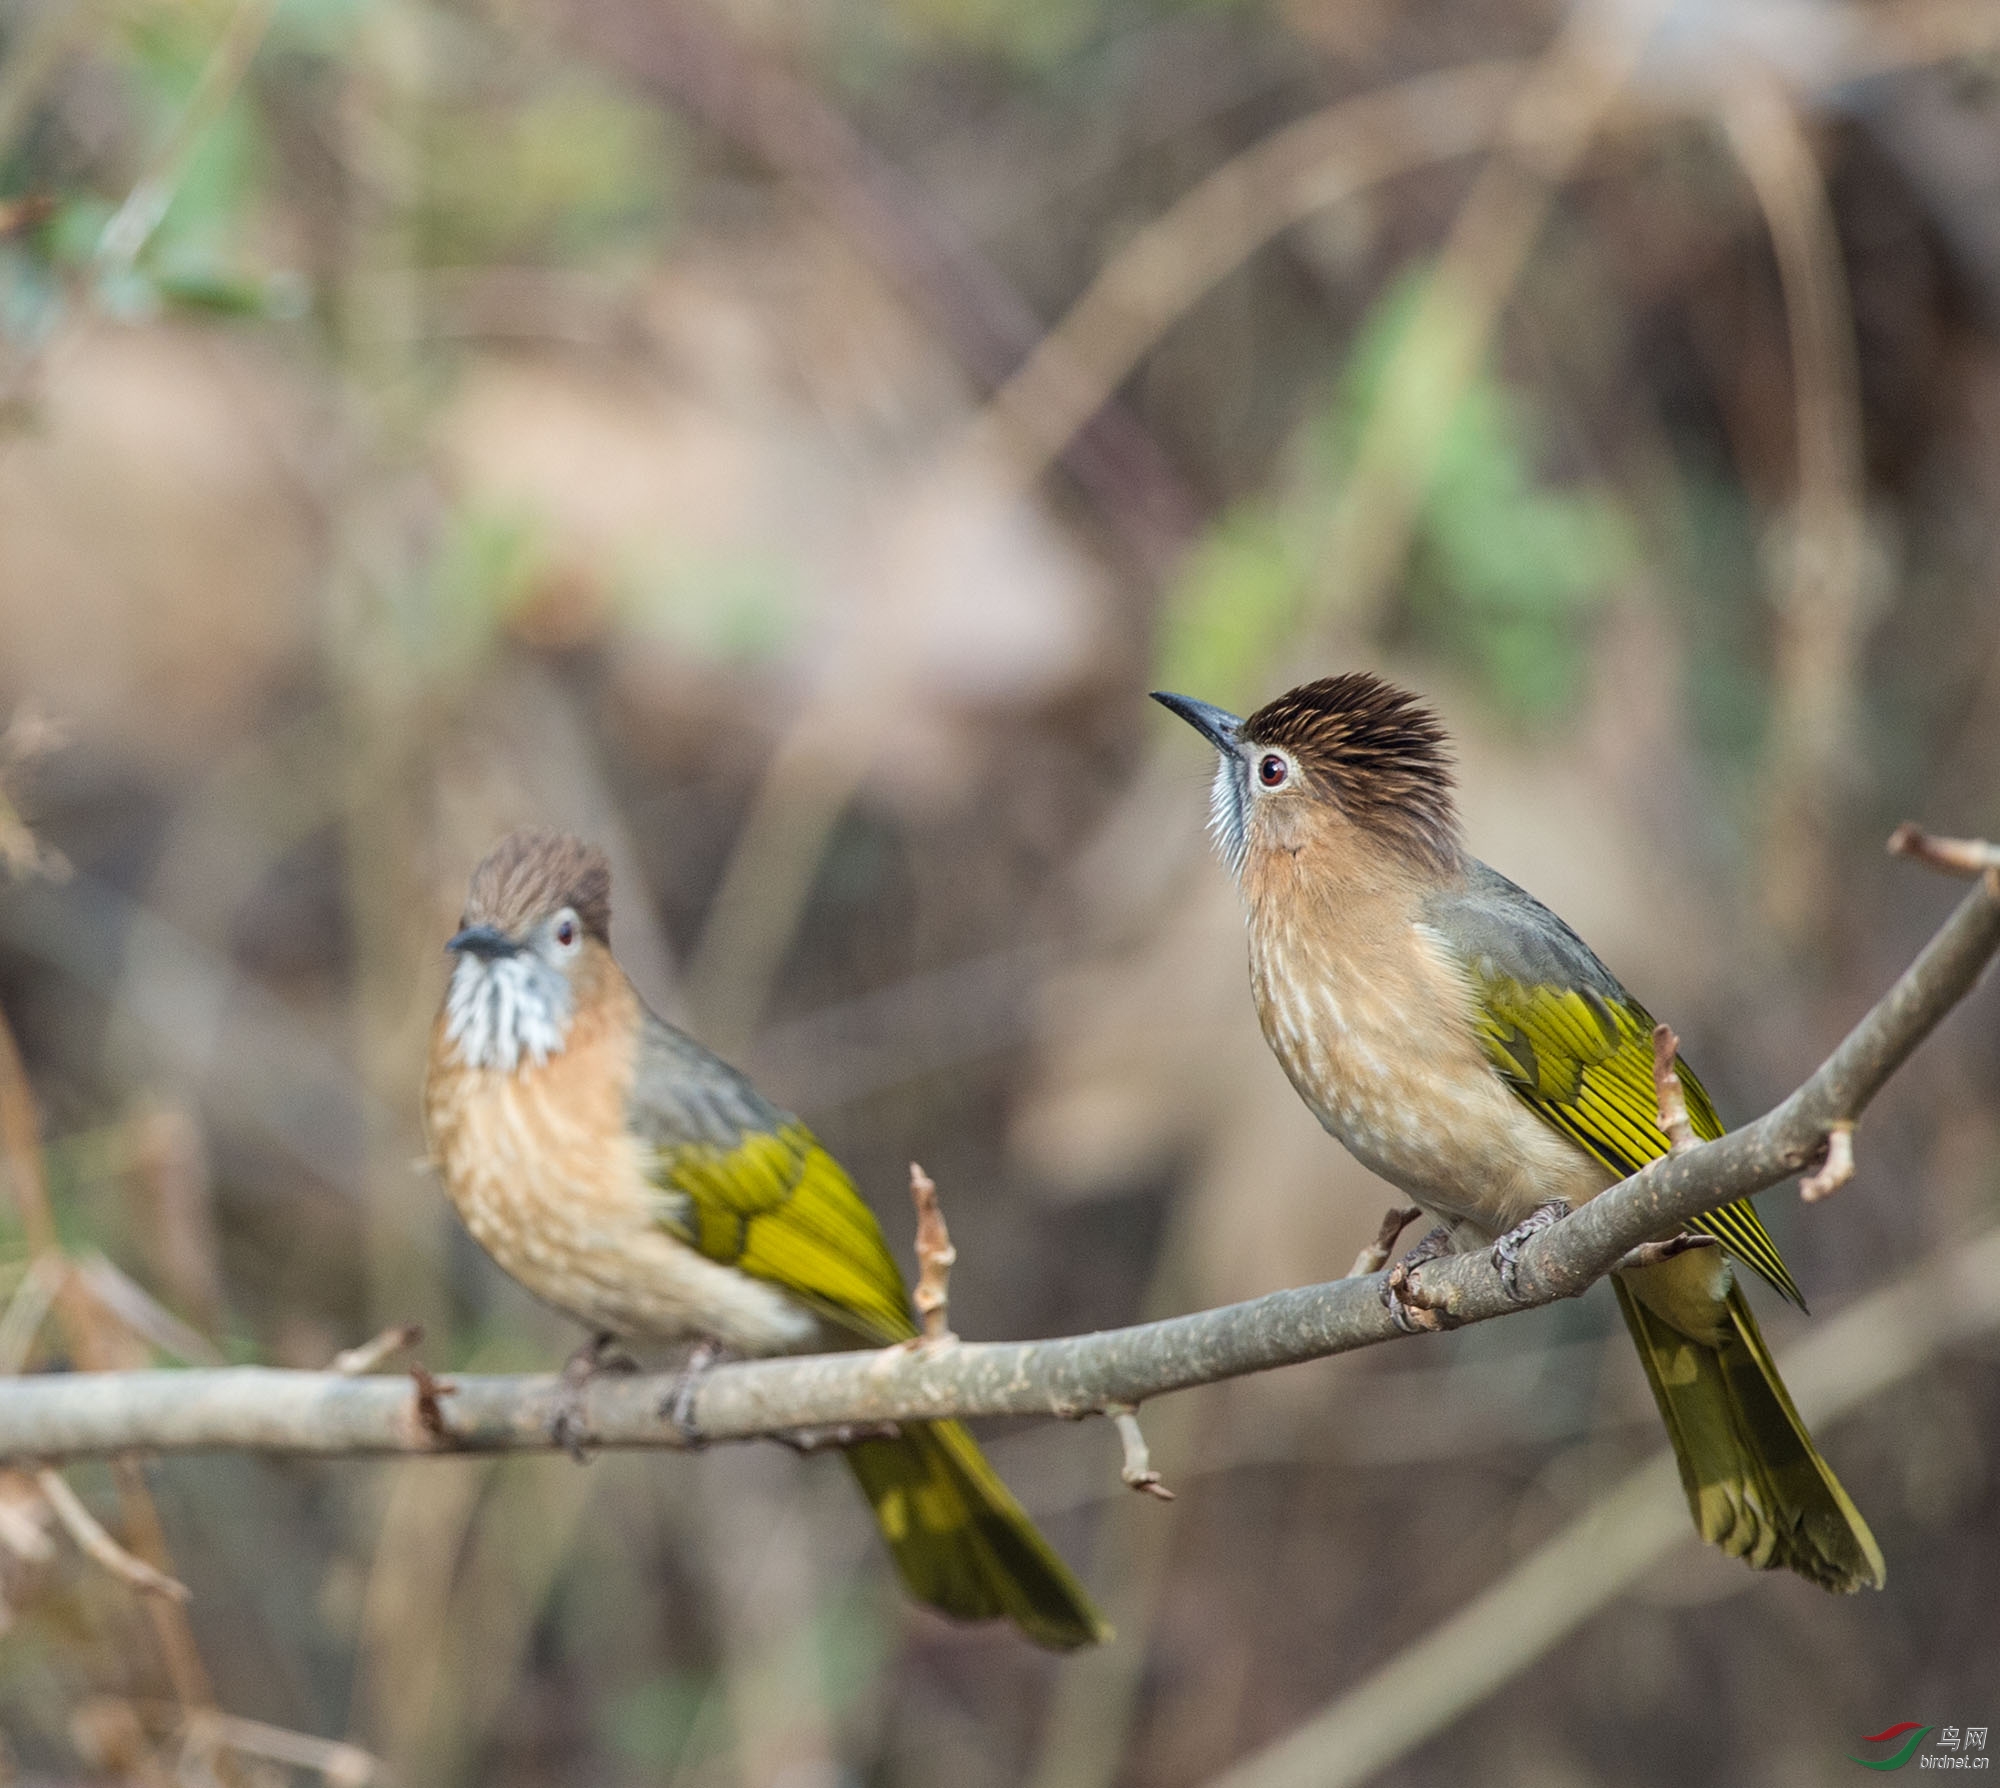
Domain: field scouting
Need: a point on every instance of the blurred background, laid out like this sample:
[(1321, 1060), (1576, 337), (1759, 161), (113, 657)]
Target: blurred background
[(784, 444)]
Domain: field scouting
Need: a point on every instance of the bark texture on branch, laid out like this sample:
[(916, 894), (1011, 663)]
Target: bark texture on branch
[(259, 1409)]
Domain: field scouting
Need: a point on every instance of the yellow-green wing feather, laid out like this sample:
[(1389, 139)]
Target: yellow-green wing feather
[(777, 1206), (1584, 1060)]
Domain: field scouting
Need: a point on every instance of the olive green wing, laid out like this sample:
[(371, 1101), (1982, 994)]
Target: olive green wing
[(749, 1186), (1571, 1042)]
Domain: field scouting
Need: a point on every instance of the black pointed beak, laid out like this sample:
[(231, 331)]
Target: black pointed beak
[(488, 942), (1218, 726)]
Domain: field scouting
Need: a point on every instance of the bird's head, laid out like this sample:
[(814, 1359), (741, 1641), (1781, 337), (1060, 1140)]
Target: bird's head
[(534, 938), (1349, 762)]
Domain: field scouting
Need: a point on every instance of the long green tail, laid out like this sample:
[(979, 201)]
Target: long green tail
[(961, 1541), (1755, 1483)]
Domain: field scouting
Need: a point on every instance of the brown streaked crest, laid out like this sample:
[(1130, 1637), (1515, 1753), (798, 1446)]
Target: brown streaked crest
[(532, 873), (1377, 751)]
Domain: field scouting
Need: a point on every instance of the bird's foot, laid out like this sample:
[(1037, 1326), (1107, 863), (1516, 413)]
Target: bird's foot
[(567, 1427), (1507, 1250), (678, 1404), (836, 1435), (1403, 1293)]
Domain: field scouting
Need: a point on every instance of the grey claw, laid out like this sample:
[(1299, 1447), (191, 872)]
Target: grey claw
[(678, 1405), (1507, 1250), (567, 1431), (1400, 1291)]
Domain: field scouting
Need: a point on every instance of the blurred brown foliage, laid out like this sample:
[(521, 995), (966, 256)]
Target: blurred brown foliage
[(424, 418)]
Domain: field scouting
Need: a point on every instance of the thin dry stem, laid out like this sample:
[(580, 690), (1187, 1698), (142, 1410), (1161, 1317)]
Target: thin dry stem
[(142, 1315), (1822, 605), (1667, 1089), (1374, 1257), (1163, 271), (24, 1519), (1955, 856), (353, 1362), (132, 225), (1652, 1253), (83, 1527), (1838, 1167), (341, 1765), (29, 1308), (935, 1256), (1551, 119), (1137, 1469)]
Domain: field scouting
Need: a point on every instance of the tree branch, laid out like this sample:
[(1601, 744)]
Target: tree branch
[(258, 1409)]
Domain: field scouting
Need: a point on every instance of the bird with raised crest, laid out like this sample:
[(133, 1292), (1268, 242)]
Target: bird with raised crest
[(638, 1183), (1469, 1048)]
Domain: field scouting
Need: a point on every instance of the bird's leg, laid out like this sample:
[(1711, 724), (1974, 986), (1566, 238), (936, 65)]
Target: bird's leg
[(598, 1354), (1507, 1250), (1404, 1296), (678, 1404)]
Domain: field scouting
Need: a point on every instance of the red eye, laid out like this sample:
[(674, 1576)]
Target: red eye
[(1272, 770), (566, 932)]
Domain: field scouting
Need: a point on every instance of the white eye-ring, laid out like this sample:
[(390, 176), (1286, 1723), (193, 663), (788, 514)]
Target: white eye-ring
[(566, 931), (1274, 769)]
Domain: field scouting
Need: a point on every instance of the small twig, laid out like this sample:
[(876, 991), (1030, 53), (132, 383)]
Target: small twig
[(342, 1765), (1652, 1253), (430, 1413), (1955, 856), (82, 1526), (1137, 1470), (136, 1309), (935, 1255), (1374, 1257), (132, 225), (356, 1362), (1668, 1091), (24, 1519), (1836, 1169), (29, 1308)]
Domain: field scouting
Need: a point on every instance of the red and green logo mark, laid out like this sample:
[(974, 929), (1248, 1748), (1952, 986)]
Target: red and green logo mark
[(1908, 1732)]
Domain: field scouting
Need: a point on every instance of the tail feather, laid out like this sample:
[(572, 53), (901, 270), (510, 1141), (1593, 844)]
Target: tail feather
[(1755, 1482), (961, 1541)]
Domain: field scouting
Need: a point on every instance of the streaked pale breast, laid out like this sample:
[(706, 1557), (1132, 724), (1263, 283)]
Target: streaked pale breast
[(1378, 1039)]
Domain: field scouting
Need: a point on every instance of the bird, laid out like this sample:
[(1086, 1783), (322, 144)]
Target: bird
[(633, 1180), (1468, 1047)]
